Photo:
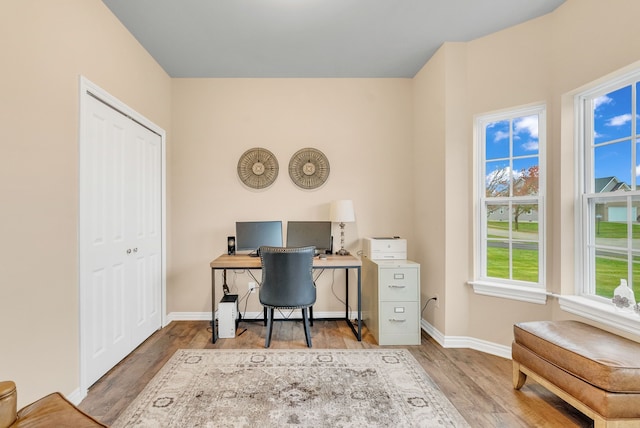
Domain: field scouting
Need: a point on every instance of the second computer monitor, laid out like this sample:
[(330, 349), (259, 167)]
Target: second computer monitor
[(307, 233)]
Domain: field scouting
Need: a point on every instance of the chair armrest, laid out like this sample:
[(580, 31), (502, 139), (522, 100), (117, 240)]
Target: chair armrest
[(8, 403)]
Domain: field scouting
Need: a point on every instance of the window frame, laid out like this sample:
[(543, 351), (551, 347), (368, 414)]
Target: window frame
[(498, 287), (583, 302), (584, 107)]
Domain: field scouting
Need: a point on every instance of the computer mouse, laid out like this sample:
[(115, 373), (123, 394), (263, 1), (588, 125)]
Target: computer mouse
[(323, 257)]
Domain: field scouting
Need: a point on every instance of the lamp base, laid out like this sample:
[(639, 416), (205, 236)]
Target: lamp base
[(343, 252)]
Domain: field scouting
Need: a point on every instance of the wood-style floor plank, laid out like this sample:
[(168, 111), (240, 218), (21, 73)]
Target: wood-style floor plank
[(478, 384)]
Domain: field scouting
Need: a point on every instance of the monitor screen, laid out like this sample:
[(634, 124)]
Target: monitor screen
[(306, 233), (250, 235)]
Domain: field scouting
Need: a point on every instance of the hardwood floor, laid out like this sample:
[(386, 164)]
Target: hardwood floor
[(478, 384)]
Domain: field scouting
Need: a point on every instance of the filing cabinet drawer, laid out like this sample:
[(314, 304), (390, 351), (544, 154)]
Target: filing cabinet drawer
[(399, 317), (398, 284)]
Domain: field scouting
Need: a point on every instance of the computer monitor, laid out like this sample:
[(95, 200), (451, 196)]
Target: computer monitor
[(251, 235), (306, 233)]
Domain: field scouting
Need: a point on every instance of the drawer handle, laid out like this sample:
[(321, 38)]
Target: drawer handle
[(396, 320), (397, 286)]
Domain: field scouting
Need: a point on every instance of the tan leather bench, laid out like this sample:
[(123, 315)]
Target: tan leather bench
[(52, 410), (595, 371)]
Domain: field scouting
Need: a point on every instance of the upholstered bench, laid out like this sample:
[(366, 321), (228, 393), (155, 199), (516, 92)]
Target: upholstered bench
[(595, 371), (52, 410)]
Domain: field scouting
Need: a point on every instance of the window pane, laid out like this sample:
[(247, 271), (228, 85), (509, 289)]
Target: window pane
[(497, 221), (497, 178), (635, 283), (613, 165), (635, 220), (498, 259), (525, 176), (525, 136), (497, 140), (525, 261), (611, 266), (611, 223), (612, 115), (637, 168), (637, 109), (525, 222)]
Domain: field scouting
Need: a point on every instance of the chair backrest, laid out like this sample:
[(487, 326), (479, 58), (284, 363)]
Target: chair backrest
[(287, 277)]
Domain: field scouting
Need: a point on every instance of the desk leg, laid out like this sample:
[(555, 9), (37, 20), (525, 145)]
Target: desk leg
[(346, 294), (214, 326), (358, 332), (359, 270)]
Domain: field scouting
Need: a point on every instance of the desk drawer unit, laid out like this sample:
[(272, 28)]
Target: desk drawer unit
[(391, 300)]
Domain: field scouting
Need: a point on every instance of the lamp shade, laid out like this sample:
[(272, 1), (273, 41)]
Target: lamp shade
[(342, 211)]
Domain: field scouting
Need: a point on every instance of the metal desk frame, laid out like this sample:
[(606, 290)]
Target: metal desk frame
[(241, 261)]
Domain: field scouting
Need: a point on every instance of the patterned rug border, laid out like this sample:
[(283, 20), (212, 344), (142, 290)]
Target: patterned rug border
[(189, 390)]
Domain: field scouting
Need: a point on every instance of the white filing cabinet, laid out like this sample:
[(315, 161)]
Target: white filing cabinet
[(391, 300)]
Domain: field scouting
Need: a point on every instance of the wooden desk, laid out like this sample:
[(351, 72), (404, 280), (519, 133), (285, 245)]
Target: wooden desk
[(242, 261)]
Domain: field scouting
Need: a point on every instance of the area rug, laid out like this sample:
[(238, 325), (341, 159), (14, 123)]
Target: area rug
[(285, 387)]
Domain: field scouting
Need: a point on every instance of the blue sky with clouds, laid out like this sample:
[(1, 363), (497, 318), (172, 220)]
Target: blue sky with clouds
[(612, 120), (521, 145)]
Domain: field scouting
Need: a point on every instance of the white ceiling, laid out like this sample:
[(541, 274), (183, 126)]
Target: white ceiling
[(311, 38)]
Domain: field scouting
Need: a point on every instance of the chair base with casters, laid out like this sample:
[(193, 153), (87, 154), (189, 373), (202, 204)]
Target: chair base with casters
[(287, 283)]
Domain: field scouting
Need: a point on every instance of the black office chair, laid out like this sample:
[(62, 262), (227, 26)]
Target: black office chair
[(287, 283)]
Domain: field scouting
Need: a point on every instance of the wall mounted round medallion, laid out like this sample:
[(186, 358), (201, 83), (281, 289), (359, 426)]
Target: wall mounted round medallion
[(309, 168), (258, 168)]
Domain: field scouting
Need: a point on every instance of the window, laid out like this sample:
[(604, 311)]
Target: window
[(610, 188), (510, 204)]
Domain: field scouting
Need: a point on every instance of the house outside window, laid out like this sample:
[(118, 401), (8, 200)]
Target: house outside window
[(609, 188), (510, 243)]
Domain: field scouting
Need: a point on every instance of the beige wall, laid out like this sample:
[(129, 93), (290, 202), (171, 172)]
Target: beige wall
[(45, 47), (430, 191), (363, 126)]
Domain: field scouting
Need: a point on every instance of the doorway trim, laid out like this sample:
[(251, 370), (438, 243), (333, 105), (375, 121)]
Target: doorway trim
[(90, 89)]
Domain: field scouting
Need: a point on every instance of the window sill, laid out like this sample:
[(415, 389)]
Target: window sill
[(601, 312), (510, 291)]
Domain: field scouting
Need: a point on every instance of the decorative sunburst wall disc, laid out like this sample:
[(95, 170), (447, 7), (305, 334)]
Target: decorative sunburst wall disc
[(309, 168), (258, 168)]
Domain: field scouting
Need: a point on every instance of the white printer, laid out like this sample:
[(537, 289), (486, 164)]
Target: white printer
[(394, 248)]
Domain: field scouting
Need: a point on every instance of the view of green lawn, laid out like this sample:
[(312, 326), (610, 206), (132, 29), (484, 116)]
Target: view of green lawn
[(611, 229), (609, 271), (526, 226), (609, 268), (525, 264)]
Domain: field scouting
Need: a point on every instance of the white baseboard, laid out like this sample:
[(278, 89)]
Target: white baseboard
[(466, 342), (444, 341), (76, 396), (285, 313)]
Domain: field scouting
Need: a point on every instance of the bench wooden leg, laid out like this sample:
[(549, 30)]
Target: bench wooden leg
[(520, 374), (519, 378)]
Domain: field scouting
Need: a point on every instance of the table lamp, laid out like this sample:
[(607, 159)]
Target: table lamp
[(342, 212)]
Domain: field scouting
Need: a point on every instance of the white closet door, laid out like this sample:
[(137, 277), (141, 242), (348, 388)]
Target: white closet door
[(144, 223), (120, 237)]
